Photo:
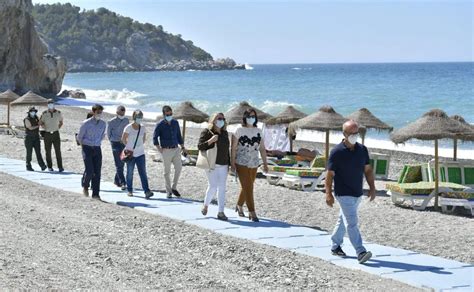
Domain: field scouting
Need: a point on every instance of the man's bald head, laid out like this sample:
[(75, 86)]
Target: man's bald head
[(350, 127)]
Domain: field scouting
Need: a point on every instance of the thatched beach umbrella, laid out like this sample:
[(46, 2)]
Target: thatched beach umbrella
[(187, 112), (30, 98), (235, 114), (433, 125), (366, 119), (325, 119), (6, 98), (290, 114), (464, 137)]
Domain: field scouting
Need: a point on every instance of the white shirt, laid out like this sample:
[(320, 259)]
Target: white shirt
[(132, 136), (248, 146)]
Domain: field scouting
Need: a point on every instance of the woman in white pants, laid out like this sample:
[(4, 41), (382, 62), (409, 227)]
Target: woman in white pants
[(215, 135)]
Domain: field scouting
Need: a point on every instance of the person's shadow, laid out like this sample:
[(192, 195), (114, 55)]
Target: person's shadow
[(376, 263)]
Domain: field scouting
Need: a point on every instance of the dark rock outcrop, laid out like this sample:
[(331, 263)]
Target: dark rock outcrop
[(24, 60)]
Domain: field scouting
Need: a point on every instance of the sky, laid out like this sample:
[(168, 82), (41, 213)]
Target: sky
[(351, 31)]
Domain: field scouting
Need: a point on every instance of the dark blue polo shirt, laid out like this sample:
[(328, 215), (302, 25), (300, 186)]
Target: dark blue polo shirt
[(348, 166), (168, 134)]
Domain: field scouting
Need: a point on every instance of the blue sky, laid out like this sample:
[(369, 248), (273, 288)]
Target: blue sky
[(266, 32)]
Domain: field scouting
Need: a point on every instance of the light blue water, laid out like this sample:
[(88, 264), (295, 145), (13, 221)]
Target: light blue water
[(396, 93)]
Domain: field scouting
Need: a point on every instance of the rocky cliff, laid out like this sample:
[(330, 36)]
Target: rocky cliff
[(24, 60)]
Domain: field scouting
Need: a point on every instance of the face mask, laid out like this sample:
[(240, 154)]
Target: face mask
[(353, 138), (50, 106), (138, 120), (220, 123), (168, 118), (98, 117), (250, 121), (32, 114), (121, 117)]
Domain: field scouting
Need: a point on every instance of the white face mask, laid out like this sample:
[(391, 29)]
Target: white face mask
[(353, 138), (220, 123), (32, 114), (50, 106), (121, 117), (138, 120), (98, 117), (250, 121), (168, 118)]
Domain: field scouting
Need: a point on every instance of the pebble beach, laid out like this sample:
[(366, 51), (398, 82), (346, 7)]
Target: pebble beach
[(72, 242)]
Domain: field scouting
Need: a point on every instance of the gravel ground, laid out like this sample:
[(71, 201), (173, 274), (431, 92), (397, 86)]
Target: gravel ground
[(60, 240), (429, 232)]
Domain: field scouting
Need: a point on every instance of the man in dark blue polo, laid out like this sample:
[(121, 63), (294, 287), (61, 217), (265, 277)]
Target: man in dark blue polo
[(348, 162), (167, 137)]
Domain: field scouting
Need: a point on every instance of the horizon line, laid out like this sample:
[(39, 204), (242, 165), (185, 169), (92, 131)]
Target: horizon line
[(360, 63)]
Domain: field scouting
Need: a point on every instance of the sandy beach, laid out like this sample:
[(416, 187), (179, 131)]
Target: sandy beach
[(72, 242)]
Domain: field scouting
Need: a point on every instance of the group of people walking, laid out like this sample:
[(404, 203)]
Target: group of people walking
[(240, 152)]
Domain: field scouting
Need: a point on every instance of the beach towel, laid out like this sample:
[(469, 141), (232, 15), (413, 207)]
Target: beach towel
[(276, 138)]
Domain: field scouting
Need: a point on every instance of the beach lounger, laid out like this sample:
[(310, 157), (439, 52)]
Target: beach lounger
[(306, 180), (418, 191), (276, 172), (380, 164), (450, 200), (451, 171)]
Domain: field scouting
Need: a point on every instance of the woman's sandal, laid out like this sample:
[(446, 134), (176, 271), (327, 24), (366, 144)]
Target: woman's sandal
[(240, 211)]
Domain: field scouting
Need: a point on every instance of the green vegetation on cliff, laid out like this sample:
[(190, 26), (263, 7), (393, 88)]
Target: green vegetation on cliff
[(104, 39)]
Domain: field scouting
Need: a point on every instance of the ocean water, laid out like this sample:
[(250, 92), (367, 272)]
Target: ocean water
[(396, 93)]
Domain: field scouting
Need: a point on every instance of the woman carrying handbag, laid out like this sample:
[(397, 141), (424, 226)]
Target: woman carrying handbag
[(214, 158), (133, 137)]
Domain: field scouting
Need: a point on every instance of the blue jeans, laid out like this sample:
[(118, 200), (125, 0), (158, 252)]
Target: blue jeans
[(117, 148), (348, 220), (141, 167), (92, 156)]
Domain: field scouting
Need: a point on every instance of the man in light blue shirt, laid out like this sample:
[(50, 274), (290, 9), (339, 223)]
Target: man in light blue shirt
[(90, 136), (114, 132)]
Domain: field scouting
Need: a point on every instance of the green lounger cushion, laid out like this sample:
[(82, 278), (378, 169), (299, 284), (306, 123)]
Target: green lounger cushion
[(454, 175), (306, 173), (420, 188), (458, 195), (279, 168), (318, 162), (411, 174), (381, 167), (402, 174), (469, 175), (193, 152), (285, 162)]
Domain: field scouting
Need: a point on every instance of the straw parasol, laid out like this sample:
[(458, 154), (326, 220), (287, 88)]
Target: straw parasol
[(433, 125), (465, 137), (290, 114), (235, 114), (187, 112), (365, 118), (6, 98), (325, 119), (30, 98)]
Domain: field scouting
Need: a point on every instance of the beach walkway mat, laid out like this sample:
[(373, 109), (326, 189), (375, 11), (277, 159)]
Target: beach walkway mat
[(406, 266)]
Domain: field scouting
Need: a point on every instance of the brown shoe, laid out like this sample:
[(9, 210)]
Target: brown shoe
[(130, 194), (85, 191), (204, 210)]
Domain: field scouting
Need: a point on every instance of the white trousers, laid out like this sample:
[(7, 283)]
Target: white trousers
[(217, 179)]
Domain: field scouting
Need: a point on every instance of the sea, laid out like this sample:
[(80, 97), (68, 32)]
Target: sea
[(397, 93)]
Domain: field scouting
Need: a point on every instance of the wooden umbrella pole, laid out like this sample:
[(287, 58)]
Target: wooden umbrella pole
[(291, 144), (363, 138), (8, 114), (327, 150), (455, 154), (436, 175), (184, 130)]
